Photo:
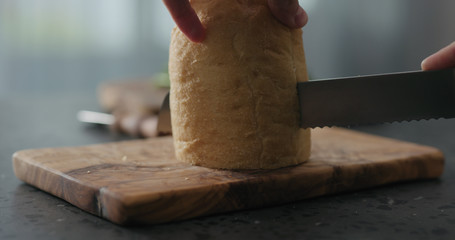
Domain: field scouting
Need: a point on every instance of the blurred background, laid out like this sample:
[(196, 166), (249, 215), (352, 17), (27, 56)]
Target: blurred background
[(70, 46)]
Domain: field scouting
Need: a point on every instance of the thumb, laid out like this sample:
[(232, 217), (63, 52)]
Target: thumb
[(289, 12), (444, 58), (186, 19)]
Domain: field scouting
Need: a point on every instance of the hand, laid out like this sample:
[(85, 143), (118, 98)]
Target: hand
[(444, 58), (186, 19), (288, 12)]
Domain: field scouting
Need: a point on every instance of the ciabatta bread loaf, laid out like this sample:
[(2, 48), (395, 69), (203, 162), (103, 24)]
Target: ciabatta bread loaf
[(233, 97)]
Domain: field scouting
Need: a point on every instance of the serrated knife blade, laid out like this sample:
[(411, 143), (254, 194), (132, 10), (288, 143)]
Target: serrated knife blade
[(362, 100), (377, 98)]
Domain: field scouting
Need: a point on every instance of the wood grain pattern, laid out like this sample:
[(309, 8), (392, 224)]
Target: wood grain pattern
[(141, 182)]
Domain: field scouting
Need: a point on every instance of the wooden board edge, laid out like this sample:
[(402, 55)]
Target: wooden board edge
[(67, 188), (433, 160), (252, 196)]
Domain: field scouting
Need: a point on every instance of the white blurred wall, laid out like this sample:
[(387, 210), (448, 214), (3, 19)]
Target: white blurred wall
[(352, 37), (73, 45)]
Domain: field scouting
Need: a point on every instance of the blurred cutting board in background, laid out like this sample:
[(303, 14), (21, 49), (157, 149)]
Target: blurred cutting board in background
[(141, 182), (131, 95)]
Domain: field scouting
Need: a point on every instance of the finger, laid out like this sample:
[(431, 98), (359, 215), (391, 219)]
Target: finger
[(186, 19), (289, 12), (444, 58)]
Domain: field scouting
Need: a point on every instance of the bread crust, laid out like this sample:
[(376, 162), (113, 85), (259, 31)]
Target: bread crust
[(233, 97)]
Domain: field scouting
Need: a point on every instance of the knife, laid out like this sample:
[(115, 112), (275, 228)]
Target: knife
[(353, 101), (132, 124), (363, 100), (376, 99)]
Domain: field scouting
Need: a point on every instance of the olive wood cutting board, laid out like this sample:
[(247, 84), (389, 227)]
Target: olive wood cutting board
[(141, 182)]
